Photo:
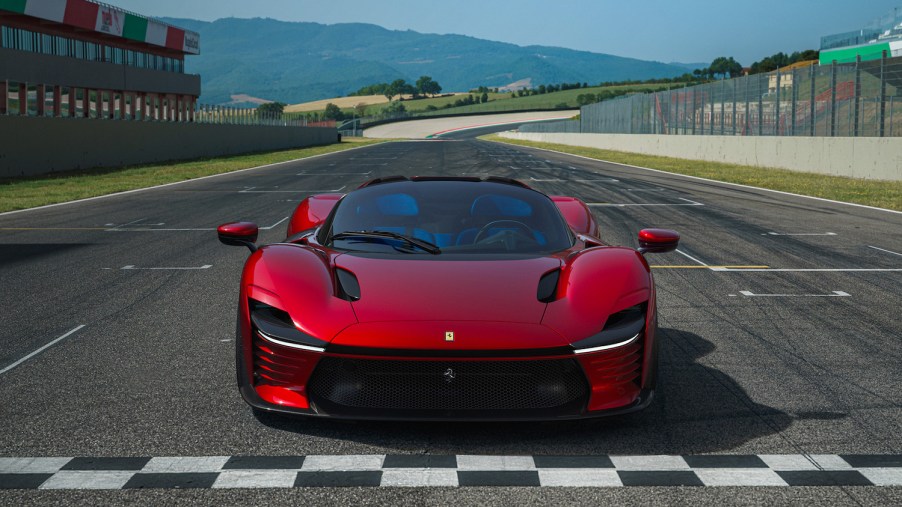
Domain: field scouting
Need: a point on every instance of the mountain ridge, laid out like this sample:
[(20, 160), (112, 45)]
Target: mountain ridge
[(302, 61)]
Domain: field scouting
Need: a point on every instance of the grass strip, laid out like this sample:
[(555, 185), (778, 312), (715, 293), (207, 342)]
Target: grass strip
[(878, 193), (23, 193)]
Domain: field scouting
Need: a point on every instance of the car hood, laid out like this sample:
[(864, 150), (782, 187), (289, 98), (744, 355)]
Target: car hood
[(438, 290)]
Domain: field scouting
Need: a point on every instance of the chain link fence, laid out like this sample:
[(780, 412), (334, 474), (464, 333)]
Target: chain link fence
[(851, 100)]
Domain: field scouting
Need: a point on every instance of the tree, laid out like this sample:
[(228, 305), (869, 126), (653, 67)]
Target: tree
[(485, 97), (271, 108), (360, 109), (428, 86), (333, 112), (397, 87)]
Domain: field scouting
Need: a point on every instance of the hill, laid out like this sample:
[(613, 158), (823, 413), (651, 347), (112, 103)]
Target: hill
[(299, 62)]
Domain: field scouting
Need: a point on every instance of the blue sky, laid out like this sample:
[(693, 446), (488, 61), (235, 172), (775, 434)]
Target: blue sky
[(663, 30)]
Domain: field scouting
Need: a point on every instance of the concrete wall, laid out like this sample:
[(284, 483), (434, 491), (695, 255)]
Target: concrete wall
[(35, 68), (31, 146), (857, 157)]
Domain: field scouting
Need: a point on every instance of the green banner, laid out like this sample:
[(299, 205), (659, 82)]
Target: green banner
[(17, 6), (848, 55), (135, 28)]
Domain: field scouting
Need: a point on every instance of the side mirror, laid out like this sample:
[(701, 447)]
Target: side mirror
[(239, 234), (658, 240)]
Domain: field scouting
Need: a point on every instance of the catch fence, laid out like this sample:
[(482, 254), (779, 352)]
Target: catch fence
[(861, 99)]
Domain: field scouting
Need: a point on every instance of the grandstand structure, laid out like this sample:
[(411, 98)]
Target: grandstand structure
[(87, 59), (881, 39)]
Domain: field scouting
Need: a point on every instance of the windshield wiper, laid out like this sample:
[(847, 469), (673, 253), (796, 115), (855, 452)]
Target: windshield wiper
[(408, 240)]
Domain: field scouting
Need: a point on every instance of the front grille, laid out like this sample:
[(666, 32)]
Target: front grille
[(448, 388)]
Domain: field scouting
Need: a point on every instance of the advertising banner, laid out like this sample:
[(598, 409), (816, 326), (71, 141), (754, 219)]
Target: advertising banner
[(156, 33), (192, 43), (110, 21), (51, 10)]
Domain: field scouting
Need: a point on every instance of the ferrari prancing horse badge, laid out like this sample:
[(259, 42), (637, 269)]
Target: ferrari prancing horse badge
[(449, 336)]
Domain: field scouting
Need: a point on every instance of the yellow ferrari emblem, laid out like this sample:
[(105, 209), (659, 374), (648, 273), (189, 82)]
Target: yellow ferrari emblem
[(449, 336)]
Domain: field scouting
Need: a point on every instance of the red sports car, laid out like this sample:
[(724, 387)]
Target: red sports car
[(446, 299)]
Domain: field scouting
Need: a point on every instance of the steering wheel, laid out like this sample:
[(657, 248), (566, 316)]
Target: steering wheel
[(520, 226)]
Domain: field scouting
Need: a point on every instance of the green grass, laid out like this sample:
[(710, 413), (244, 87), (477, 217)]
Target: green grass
[(18, 194), (882, 194), (499, 102)]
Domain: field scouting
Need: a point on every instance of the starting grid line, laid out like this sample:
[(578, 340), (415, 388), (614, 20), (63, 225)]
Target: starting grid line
[(450, 471)]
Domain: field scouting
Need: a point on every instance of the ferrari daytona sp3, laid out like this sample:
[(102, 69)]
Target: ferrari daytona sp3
[(435, 298)]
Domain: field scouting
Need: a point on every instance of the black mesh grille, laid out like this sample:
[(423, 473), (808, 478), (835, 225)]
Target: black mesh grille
[(447, 386)]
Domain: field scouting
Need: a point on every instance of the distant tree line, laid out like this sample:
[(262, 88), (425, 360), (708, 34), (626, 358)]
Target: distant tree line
[(723, 67), (423, 87)]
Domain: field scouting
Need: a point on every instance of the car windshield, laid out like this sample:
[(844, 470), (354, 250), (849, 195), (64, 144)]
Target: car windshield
[(447, 217)]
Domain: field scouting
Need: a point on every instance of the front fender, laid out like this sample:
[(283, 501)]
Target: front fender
[(299, 281), (593, 284)]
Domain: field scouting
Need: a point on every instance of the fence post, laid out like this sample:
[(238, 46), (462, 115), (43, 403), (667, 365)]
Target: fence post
[(793, 102), (778, 96), (694, 109), (813, 112), (833, 99), (735, 88), (711, 128), (723, 100), (760, 106), (882, 106), (23, 99), (857, 103), (701, 102)]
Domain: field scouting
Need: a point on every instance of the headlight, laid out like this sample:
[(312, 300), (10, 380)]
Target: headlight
[(275, 325), (621, 328)]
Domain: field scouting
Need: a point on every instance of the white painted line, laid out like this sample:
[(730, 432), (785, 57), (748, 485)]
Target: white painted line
[(180, 464), (739, 477), (141, 229), (807, 270), (273, 225), (32, 465), (187, 181), (250, 191), (607, 180), (88, 479), (580, 478), (534, 179), (130, 223), (883, 476), (691, 203), (255, 479), (830, 462), (336, 174), (646, 463), (802, 234), (684, 254), (419, 477), (133, 268), (834, 294), (343, 463), (710, 180), (468, 462), (884, 250), (42, 349)]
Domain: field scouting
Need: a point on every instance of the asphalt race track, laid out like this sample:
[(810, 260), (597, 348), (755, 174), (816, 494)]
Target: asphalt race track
[(780, 338)]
